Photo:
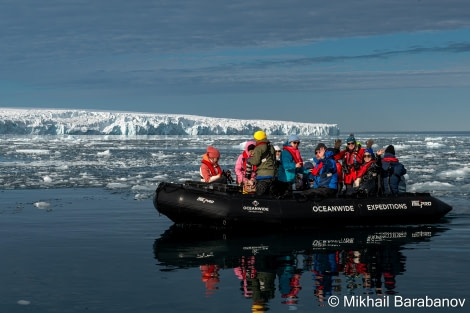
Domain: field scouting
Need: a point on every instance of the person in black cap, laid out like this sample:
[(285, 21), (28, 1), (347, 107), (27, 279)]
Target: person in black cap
[(320, 145), (393, 181), (352, 158), (325, 173)]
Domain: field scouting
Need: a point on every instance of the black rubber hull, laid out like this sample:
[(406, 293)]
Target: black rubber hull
[(222, 205)]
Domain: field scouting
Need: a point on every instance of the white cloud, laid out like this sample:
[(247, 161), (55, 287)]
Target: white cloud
[(78, 28), (93, 52)]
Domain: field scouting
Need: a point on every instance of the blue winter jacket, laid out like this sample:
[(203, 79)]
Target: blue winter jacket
[(393, 181), (328, 175)]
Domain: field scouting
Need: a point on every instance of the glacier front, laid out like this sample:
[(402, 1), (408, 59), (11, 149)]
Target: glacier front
[(82, 122)]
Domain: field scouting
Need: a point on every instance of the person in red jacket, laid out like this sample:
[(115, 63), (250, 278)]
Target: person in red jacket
[(210, 169), (368, 176), (352, 159), (339, 168), (210, 277)]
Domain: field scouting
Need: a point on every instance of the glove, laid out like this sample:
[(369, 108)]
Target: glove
[(316, 170), (369, 143), (337, 143), (248, 182)]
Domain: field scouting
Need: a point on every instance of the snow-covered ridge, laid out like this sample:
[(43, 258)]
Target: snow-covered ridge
[(79, 122)]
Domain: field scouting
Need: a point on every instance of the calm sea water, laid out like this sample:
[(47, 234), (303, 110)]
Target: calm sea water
[(78, 233)]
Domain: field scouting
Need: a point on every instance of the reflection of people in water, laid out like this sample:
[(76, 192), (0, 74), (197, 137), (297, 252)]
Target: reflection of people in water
[(263, 290), (210, 276), (245, 272), (355, 268), (389, 262), (257, 276), (376, 266), (360, 262), (373, 270), (289, 279), (323, 267)]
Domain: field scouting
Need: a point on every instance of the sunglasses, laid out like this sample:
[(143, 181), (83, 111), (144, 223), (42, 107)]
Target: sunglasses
[(317, 152), (367, 155), (296, 142), (351, 143)]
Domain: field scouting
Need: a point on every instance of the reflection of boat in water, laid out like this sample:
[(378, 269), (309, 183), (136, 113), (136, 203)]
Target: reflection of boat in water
[(225, 205), (192, 246), (338, 261)]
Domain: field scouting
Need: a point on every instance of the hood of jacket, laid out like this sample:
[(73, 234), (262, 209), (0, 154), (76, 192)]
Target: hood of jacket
[(248, 143)]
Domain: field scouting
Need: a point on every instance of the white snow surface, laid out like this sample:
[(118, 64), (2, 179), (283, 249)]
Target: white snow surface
[(82, 122)]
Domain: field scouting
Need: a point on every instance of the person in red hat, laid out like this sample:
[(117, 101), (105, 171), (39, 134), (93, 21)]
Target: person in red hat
[(210, 169)]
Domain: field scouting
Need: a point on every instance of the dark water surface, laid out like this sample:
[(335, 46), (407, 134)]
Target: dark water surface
[(91, 250)]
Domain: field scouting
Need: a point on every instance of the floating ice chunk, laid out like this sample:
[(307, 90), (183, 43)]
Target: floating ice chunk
[(457, 173), (33, 151), (24, 302), (430, 186), (117, 186), (422, 170), (434, 145), (142, 196), (47, 179), (433, 139), (142, 188), (42, 204), (104, 153)]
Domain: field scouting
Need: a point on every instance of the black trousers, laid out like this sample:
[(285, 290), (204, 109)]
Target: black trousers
[(263, 186), (320, 192)]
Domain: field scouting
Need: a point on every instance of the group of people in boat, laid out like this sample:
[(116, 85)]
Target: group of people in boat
[(263, 168)]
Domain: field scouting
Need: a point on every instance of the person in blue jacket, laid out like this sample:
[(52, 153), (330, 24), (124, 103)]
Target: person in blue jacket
[(325, 173), (393, 181)]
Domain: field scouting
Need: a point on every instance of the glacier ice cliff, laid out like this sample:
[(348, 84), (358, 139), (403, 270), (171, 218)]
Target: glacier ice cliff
[(80, 122)]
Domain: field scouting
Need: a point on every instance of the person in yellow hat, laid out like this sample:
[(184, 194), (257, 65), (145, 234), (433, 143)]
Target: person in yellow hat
[(264, 159), (259, 135)]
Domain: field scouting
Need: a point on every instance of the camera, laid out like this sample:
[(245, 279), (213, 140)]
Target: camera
[(228, 174)]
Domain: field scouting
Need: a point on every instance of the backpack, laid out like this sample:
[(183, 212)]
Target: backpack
[(402, 184)]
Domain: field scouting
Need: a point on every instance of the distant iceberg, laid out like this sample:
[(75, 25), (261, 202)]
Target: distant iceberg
[(79, 122)]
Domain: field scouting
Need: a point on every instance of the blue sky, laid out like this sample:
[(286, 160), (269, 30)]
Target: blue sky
[(372, 65)]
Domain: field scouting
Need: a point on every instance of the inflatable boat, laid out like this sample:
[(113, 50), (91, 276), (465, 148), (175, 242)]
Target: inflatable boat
[(198, 203)]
